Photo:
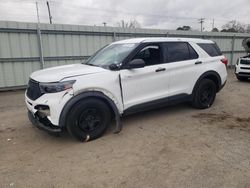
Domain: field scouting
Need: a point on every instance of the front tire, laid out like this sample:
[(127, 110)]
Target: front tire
[(88, 119), (204, 94)]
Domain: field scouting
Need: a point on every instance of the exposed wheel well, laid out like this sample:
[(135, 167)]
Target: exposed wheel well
[(83, 96), (211, 75), (214, 79)]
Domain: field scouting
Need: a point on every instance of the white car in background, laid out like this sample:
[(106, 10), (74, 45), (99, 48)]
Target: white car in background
[(123, 78), (242, 67)]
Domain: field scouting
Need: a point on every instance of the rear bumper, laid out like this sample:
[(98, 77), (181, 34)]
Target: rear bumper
[(43, 123), (222, 86)]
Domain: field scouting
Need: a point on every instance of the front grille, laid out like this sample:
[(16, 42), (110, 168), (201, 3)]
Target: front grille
[(33, 90), (245, 61)]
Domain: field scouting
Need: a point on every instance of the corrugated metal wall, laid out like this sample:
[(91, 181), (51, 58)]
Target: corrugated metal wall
[(21, 52)]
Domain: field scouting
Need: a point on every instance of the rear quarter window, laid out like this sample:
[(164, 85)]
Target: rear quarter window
[(211, 48)]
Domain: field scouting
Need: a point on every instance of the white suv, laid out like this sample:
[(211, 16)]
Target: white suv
[(122, 78), (242, 68)]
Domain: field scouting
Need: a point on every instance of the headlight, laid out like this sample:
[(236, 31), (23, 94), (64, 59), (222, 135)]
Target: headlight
[(56, 87)]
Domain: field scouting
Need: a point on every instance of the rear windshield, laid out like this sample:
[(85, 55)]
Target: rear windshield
[(211, 48)]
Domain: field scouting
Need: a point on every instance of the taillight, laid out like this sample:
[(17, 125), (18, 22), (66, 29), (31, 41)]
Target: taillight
[(224, 61)]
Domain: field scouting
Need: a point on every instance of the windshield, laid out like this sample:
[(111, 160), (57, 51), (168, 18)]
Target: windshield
[(111, 54)]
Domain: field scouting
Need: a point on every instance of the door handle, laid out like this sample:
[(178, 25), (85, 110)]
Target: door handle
[(127, 76), (198, 62), (160, 69)]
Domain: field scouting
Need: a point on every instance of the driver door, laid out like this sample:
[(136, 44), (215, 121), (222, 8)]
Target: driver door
[(147, 84)]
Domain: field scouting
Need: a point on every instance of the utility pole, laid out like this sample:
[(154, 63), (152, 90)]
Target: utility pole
[(213, 24), (50, 17), (39, 37), (104, 24), (37, 13), (201, 21)]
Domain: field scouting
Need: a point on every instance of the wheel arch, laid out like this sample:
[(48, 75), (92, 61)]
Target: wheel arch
[(91, 94), (211, 75)]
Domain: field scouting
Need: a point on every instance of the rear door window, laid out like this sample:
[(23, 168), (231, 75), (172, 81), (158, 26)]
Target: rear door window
[(211, 48), (179, 51), (192, 53)]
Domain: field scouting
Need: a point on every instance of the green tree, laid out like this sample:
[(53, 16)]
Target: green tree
[(184, 28), (129, 24), (233, 26), (215, 30)]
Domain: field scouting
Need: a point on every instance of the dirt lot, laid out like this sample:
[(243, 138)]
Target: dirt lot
[(171, 147)]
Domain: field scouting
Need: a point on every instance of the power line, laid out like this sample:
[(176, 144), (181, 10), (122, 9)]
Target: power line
[(71, 5), (95, 15), (74, 5)]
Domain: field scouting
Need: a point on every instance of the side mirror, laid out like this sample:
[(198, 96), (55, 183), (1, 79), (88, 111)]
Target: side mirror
[(113, 67), (136, 63)]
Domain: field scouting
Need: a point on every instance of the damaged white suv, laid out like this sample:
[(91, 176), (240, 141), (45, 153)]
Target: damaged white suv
[(122, 78)]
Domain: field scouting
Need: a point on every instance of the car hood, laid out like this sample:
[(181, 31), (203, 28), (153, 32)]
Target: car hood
[(56, 74)]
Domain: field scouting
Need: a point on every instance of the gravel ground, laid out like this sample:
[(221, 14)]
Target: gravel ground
[(176, 146)]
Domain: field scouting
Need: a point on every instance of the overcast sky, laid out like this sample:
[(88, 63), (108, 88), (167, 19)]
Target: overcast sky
[(163, 14)]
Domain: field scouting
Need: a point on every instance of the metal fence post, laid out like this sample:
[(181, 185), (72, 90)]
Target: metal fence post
[(232, 51), (40, 46), (114, 36)]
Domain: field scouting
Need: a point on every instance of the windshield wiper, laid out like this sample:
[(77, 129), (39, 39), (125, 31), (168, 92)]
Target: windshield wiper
[(90, 64)]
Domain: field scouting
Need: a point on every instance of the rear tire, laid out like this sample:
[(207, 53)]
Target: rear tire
[(88, 119), (240, 78), (204, 94)]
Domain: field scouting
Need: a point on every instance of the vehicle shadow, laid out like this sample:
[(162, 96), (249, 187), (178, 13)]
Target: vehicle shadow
[(130, 120), (127, 121)]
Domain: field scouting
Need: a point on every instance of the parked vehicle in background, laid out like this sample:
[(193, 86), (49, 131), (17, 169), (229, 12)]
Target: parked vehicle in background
[(123, 78), (242, 67)]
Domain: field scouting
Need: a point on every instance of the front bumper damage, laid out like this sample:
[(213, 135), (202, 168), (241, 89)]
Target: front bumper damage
[(43, 123), (49, 111), (44, 112)]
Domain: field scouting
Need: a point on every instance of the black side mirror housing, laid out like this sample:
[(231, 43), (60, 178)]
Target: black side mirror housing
[(113, 67), (136, 63)]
